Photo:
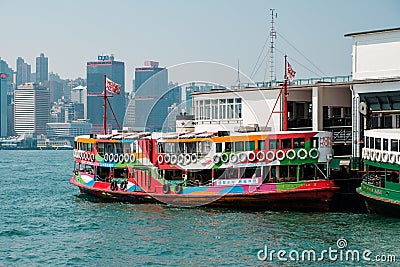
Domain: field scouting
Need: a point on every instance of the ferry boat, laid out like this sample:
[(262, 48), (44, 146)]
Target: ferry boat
[(380, 187)]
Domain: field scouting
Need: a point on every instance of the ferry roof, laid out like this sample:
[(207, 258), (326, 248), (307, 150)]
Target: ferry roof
[(388, 133), (371, 32)]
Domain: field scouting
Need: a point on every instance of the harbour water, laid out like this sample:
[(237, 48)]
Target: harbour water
[(45, 222)]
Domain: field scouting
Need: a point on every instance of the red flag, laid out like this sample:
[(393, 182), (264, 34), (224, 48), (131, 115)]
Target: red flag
[(112, 86), (291, 72)]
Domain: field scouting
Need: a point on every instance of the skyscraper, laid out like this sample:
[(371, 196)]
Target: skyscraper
[(6, 96), (23, 74), (152, 97), (115, 71), (42, 68), (31, 108), (3, 105)]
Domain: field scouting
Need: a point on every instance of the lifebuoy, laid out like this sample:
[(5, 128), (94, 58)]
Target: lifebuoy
[(233, 158), (126, 157), (116, 158), (92, 157), (174, 159), (124, 185), (242, 157), (373, 155), (165, 188), (302, 154), (216, 159), (367, 154), (105, 157), (378, 155), (167, 158), (280, 155), (113, 185), (132, 158), (181, 159), (121, 158), (178, 189), (270, 155), (110, 157), (398, 158), (251, 156), (160, 159), (260, 156), (385, 156), (392, 157), (313, 153), (291, 154), (187, 159), (224, 157), (194, 158)]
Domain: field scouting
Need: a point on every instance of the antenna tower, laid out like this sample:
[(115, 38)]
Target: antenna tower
[(272, 37)]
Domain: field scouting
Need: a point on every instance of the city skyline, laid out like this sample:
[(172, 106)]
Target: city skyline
[(175, 32)]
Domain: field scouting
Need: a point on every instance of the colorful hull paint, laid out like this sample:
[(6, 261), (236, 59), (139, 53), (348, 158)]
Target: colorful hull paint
[(144, 168)]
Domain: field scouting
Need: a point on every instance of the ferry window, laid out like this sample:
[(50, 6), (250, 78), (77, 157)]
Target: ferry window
[(127, 147), (385, 144), (250, 146), (273, 144), (371, 142), (286, 143), (367, 142), (378, 142), (191, 147), (169, 147), (133, 147), (298, 142), (283, 171), (394, 145), (204, 147), (100, 148), (91, 147), (230, 109), (261, 144), (228, 146), (239, 146), (109, 148), (218, 147), (118, 147), (292, 170), (238, 108), (314, 142), (181, 147), (161, 148)]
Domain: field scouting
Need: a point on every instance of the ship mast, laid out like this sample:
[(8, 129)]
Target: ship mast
[(285, 94), (272, 36)]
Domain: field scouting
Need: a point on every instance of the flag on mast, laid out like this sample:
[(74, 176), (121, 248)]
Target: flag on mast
[(291, 72), (113, 87)]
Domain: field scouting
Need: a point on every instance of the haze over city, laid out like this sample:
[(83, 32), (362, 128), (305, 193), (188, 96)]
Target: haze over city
[(174, 32)]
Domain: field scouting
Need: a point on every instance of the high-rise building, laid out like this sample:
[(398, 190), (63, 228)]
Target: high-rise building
[(42, 68), (152, 97), (23, 74), (31, 108), (115, 71), (79, 96), (3, 105)]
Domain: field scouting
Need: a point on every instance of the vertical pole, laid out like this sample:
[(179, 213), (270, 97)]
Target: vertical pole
[(105, 107), (285, 106)]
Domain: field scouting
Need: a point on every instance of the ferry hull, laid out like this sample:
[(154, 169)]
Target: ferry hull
[(378, 204), (305, 200), (114, 196)]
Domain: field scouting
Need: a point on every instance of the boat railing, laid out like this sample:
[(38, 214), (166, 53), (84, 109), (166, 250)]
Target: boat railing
[(340, 134)]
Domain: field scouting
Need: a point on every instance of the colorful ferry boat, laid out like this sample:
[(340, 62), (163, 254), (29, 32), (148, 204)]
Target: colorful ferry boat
[(380, 186), (275, 171)]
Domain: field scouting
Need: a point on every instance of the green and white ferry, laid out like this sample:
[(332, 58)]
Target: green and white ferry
[(380, 187)]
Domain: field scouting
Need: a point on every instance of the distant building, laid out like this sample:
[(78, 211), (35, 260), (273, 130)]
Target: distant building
[(23, 74), (31, 108), (42, 68), (3, 105), (79, 95), (152, 97), (115, 71), (68, 130)]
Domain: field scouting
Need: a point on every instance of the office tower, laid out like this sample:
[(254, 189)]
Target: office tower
[(79, 96), (23, 74), (115, 71), (3, 105), (42, 69), (31, 108), (152, 97)]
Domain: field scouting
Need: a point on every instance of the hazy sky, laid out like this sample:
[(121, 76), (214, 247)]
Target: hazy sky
[(70, 33)]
